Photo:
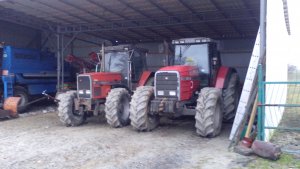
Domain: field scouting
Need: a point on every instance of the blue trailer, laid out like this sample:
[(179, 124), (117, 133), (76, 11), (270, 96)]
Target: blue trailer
[(27, 73)]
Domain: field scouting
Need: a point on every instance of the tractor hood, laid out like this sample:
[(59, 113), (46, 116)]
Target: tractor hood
[(96, 85), (104, 76), (183, 70), (180, 82)]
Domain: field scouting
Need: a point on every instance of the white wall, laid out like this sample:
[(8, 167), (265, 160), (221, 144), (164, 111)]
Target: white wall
[(276, 64)]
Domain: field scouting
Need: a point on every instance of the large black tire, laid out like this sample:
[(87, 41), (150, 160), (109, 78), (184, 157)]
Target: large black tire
[(23, 94), (66, 110), (140, 118), (231, 97), (209, 113), (117, 107)]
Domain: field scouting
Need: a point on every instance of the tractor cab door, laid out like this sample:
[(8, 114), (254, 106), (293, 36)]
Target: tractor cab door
[(138, 65), (117, 61), (215, 62), (202, 55), (195, 55)]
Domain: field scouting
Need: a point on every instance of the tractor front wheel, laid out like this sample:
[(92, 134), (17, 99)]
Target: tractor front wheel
[(117, 107), (209, 113), (141, 119), (66, 109)]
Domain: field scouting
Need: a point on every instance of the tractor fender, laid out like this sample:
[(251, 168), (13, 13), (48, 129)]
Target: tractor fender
[(144, 78), (223, 77), (122, 86)]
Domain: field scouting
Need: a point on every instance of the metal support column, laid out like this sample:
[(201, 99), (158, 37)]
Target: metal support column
[(58, 37), (263, 9), (261, 73), (62, 62), (260, 114)]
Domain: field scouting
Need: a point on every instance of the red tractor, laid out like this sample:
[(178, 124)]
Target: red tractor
[(109, 91), (197, 85)]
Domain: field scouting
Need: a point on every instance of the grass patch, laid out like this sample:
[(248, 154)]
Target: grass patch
[(286, 161)]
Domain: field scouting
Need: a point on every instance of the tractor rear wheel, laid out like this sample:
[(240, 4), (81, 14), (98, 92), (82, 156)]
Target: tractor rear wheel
[(141, 119), (117, 107), (66, 110), (231, 97), (23, 94), (208, 112)]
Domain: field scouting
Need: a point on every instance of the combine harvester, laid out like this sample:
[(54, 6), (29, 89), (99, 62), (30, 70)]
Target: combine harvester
[(25, 74)]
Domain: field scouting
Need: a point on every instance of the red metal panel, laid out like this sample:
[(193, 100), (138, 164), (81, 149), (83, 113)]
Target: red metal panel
[(221, 77), (104, 91), (104, 81), (188, 78), (145, 76)]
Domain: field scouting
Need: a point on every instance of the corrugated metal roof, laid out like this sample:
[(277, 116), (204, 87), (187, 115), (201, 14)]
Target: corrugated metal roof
[(134, 20)]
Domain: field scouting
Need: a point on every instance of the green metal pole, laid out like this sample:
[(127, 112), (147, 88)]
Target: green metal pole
[(263, 108), (260, 96)]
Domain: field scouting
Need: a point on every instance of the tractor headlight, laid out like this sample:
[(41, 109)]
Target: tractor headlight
[(87, 92), (80, 92), (172, 93), (160, 93)]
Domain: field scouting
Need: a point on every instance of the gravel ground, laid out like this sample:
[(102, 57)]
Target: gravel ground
[(39, 140)]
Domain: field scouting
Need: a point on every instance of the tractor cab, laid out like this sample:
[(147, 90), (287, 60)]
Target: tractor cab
[(201, 53), (127, 60), (121, 66)]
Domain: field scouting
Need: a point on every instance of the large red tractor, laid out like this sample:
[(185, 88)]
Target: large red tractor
[(109, 91), (196, 85)]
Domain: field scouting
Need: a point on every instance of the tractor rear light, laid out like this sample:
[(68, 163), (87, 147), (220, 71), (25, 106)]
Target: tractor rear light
[(5, 72), (80, 92), (172, 93), (87, 92), (160, 93)]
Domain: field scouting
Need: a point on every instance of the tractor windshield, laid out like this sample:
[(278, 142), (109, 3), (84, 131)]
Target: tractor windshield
[(116, 62), (194, 55)]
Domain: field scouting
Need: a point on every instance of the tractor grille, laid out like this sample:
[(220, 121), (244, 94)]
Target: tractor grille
[(166, 84), (84, 86)]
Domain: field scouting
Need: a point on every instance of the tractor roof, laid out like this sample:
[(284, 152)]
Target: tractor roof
[(124, 48)]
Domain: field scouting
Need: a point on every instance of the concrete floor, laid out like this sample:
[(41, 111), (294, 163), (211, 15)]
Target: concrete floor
[(41, 141)]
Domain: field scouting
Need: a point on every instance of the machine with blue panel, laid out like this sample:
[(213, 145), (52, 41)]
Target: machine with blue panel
[(27, 73)]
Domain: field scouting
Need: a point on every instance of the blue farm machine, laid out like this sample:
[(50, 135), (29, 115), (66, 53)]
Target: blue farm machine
[(25, 74)]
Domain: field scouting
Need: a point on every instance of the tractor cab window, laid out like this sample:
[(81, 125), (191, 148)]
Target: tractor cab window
[(117, 62), (137, 66), (194, 55)]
